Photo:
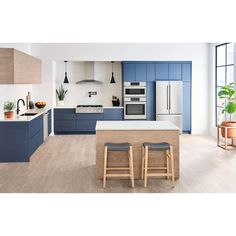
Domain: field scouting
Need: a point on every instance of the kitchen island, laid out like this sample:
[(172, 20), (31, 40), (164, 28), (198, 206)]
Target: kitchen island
[(136, 133)]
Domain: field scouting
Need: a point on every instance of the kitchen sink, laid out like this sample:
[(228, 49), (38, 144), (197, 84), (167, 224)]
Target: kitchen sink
[(29, 114)]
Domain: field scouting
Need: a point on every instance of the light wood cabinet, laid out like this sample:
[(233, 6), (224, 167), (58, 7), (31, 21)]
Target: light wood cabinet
[(19, 68)]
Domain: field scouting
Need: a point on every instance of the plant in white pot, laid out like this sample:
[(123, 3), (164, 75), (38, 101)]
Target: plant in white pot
[(61, 93), (9, 109), (227, 93)]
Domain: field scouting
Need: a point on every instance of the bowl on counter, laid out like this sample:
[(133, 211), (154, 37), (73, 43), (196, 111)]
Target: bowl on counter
[(40, 104)]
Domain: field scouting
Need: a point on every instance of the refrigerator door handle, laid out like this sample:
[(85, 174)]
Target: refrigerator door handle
[(167, 97), (170, 97)]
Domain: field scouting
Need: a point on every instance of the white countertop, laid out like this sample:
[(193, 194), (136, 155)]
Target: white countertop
[(135, 125), (25, 118)]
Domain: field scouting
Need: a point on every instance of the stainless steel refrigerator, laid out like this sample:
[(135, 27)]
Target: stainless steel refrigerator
[(169, 101)]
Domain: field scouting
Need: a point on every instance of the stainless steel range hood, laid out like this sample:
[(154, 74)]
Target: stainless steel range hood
[(89, 74)]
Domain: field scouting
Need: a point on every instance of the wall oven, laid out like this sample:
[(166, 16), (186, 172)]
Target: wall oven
[(134, 89), (135, 108)]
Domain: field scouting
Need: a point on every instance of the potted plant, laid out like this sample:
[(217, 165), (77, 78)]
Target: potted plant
[(8, 108), (227, 93), (61, 93)]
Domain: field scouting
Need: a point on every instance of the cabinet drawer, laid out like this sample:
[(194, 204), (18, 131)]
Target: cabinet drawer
[(36, 141), (64, 114), (113, 114), (35, 125), (89, 116), (86, 125), (64, 125)]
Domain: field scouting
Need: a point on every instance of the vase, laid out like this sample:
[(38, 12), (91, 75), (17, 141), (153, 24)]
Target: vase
[(231, 133), (9, 114), (60, 103)]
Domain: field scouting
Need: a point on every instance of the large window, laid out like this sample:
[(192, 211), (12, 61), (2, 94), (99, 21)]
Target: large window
[(224, 75)]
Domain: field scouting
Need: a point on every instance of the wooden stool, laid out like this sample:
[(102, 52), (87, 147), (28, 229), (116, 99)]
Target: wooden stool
[(169, 161), (126, 147)]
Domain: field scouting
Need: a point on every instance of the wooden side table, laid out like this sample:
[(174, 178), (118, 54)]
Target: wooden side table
[(225, 145)]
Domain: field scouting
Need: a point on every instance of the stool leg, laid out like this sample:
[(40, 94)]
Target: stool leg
[(146, 167), (167, 164), (142, 166), (131, 166), (172, 166), (105, 167)]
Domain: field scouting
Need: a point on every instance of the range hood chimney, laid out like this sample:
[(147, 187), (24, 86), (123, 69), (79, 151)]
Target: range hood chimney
[(89, 74)]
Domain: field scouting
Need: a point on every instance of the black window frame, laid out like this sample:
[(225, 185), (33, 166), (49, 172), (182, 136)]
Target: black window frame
[(216, 66)]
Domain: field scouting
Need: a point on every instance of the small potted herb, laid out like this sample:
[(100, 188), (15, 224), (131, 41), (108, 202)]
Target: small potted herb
[(9, 109), (61, 93)]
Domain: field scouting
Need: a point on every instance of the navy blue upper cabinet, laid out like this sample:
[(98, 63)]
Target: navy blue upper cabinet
[(186, 107), (151, 72), (129, 72), (151, 101), (113, 113), (141, 72), (186, 72), (175, 71), (162, 71)]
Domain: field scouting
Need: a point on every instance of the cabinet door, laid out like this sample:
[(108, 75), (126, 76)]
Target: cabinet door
[(187, 107), (35, 125), (86, 125), (141, 72), (36, 141), (129, 72), (186, 72), (113, 113), (64, 114), (162, 71), (174, 71), (151, 72), (151, 104), (64, 125), (162, 97)]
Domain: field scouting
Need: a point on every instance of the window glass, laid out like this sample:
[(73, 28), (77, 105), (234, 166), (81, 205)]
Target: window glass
[(230, 53), (221, 56)]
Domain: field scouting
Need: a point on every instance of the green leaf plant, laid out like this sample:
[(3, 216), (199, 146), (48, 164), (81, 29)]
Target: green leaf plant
[(227, 93), (61, 93)]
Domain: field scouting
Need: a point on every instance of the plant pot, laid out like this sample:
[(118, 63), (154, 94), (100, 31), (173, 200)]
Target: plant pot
[(9, 114), (60, 103), (231, 133)]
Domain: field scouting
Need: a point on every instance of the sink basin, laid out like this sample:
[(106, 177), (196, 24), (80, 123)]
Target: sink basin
[(29, 114)]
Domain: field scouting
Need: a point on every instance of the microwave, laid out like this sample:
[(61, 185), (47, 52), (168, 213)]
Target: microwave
[(134, 89)]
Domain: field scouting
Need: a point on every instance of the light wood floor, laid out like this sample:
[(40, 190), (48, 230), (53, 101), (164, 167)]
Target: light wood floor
[(67, 164)]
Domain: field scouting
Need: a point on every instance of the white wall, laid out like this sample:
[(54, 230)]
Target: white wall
[(14, 92), (198, 53), (78, 93)]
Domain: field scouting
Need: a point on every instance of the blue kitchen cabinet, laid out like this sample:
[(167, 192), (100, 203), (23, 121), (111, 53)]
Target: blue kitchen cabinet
[(129, 72), (187, 107), (86, 122), (64, 120), (151, 72), (151, 101), (175, 71), (18, 140), (141, 72), (162, 72), (113, 113), (186, 72)]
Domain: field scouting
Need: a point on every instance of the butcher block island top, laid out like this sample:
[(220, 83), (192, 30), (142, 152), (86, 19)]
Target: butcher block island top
[(135, 133)]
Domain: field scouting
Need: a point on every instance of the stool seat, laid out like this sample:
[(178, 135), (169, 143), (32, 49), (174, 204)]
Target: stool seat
[(157, 146), (118, 146)]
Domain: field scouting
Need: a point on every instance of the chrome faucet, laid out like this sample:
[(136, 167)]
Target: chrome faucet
[(18, 107)]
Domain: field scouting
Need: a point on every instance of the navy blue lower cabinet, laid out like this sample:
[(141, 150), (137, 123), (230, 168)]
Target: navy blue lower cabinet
[(113, 113), (18, 140), (86, 126), (14, 141), (151, 101), (186, 107)]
